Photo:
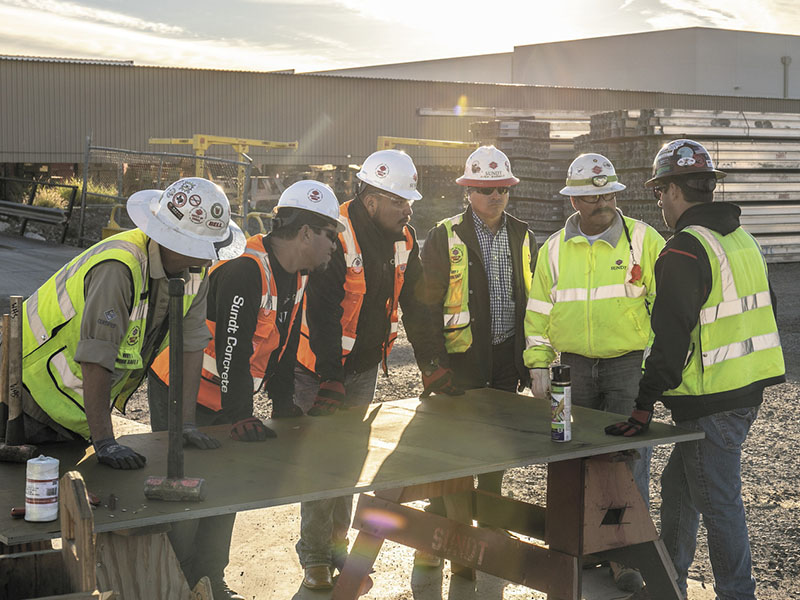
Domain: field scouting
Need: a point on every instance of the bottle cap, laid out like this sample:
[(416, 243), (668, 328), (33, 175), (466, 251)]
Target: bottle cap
[(559, 373)]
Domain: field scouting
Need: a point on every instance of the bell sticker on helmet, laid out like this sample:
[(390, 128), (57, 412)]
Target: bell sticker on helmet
[(381, 170), (215, 224), (314, 195), (179, 199), (195, 200)]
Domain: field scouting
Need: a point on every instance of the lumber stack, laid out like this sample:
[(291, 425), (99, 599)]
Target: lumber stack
[(760, 152)]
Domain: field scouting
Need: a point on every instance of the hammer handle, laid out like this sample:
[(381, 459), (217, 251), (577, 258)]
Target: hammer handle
[(4, 378), (15, 429), (175, 455)]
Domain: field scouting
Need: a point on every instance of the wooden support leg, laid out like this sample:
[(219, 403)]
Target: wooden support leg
[(655, 565), (357, 567), (459, 508), (140, 567)]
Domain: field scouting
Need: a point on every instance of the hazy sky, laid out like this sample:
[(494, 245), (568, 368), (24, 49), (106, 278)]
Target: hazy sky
[(309, 35)]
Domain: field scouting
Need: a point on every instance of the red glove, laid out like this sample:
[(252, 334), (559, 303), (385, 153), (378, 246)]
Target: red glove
[(251, 429), (440, 382), (330, 397), (638, 422)]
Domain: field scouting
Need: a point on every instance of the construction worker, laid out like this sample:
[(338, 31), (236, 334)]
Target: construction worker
[(350, 325), (478, 268), (90, 332), (715, 347), (255, 299), (590, 300)]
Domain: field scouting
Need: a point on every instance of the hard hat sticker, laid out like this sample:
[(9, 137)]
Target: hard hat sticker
[(175, 210), (195, 200), (179, 199), (216, 210), (314, 195), (381, 170), (197, 216)]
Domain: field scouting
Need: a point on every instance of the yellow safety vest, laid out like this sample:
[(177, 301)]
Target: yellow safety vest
[(52, 323), (457, 329), (588, 300), (735, 342)]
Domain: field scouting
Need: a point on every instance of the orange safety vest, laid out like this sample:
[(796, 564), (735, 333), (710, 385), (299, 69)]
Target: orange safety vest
[(265, 339), (355, 287)]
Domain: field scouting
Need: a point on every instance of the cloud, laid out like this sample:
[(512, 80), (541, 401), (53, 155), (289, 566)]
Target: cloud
[(69, 10)]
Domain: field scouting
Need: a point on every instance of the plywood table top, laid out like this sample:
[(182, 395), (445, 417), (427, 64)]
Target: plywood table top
[(380, 446)]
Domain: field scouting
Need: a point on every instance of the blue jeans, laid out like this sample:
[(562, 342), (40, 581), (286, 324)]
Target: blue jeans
[(611, 384), (324, 523), (704, 477)]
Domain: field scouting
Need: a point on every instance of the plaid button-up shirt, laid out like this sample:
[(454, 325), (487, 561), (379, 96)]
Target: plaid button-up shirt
[(496, 255)]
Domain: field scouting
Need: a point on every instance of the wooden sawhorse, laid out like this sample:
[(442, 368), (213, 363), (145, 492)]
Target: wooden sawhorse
[(593, 508)]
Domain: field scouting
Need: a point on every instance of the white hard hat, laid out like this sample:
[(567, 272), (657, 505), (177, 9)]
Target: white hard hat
[(391, 171), (313, 196), (191, 217), (487, 167), (591, 175)]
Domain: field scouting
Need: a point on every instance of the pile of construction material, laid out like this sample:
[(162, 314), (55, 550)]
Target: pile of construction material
[(760, 152), (540, 147)]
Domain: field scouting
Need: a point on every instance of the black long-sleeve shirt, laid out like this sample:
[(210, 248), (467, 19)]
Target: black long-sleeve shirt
[(684, 280), (326, 292), (234, 299)]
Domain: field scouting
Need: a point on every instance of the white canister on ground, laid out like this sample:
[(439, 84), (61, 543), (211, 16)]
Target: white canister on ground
[(41, 489)]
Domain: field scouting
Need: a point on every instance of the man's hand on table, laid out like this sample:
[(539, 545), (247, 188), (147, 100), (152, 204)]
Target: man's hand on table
[(194, 437), (637, 423), (117, 456)]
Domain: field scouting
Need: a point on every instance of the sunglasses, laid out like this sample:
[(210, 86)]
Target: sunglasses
[(658, 190), (610, 197), (488, 191), (331, 234)]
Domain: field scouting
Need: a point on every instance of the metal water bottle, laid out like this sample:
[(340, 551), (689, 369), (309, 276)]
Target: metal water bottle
[(560, 404)]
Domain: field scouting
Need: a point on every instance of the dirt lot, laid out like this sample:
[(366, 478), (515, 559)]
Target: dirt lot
[(771, 468)]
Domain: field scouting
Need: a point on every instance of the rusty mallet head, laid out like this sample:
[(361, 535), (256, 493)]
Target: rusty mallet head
[(12, 431), (175, 487)]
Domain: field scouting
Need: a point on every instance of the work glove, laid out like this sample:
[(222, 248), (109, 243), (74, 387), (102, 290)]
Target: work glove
[(330, 397), (285, 410), (637, 423), (194, 437), (440, 381), (116, 456), (251, 429), (540, 383)]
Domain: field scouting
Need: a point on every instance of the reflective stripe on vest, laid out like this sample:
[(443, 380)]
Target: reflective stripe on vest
[(355, 287), (732, 305), (266, 338), (51, 331), (455, 306), (735, 342), (578, 308)]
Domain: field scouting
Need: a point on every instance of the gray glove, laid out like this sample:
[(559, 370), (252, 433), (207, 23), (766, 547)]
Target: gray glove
[(116, 456), (193, 437), (540, 383)]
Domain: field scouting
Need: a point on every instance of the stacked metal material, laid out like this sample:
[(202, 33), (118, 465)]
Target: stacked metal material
[(540, 149), (759, 151)]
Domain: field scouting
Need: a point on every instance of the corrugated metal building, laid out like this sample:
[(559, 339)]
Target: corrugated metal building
[(693, 60), (47, 108)]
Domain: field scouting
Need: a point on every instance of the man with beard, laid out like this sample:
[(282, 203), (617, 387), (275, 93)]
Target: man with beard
[(590, 300), (715, 348), (253, 309), (351, 324)]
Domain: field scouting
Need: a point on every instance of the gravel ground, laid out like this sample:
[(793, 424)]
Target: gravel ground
[(770, 467)]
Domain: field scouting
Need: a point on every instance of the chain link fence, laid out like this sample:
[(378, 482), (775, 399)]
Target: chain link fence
[(111, 175)]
